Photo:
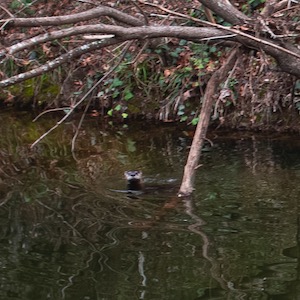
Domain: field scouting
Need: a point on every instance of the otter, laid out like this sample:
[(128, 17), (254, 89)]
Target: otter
[(134, 180)]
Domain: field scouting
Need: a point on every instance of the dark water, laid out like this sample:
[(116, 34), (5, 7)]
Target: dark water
[(66, 235)]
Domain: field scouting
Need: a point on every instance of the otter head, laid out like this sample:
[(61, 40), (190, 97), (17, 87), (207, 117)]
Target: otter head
[(134, 180)]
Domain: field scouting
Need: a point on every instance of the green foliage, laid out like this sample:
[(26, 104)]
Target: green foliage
[(255, 3), (252, 5), (195, 121), (155, 83), (119, 86), (25, 5), (128, 94), (37, 90)]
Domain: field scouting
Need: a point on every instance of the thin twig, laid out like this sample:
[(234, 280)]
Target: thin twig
[(4, 25), (87, 1), (219, 37), (96, 84), (74, 107), (81, 121), (142, 12), (50, 110), (7, 11), (278, 13), (140, 53), (52, 128), (66, 57), (238, 32)]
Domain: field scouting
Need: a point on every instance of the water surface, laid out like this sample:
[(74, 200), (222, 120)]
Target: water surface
[(66, 235)]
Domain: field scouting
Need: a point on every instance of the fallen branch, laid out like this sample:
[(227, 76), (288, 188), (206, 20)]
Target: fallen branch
[(240, 33), (187, 184), (119, 31), (67, 57), (93, 13), (285, 56), (123, 34)]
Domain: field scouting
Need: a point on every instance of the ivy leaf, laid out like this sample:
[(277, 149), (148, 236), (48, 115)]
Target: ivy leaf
[(128, 95), (183, 118), (195, 121), (118, 107), (117, 82)]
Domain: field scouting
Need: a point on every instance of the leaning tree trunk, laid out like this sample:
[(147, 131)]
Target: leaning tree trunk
[(187, 185)]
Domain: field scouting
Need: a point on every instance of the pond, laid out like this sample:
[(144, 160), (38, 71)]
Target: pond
[(66, 233)]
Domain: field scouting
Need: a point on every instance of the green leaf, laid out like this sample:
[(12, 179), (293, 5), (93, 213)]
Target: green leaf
[(117, 82), (124, 115), (195, 121), (115, 94), (128, 95), (118, 107), (110, 112), (182, 42), (188, 69), (183, 118), (213, 49)]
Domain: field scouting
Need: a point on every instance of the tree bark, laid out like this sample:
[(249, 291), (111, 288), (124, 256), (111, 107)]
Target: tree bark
[(75, 18), (143, 32), (225, 9), (187, 185)]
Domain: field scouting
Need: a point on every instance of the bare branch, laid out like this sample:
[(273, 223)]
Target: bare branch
[(187, 184), (49, 111), (137, 32), (147, 32), (269, 8), (67, 57), (119, 31), (227, 11), (269, 47), (285, 5), (7, 11), (76, 18)]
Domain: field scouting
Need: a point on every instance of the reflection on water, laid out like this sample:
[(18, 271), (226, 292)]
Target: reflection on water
[(66, 235)]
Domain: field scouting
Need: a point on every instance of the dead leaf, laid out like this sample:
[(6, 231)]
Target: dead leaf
[(46, 49)]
